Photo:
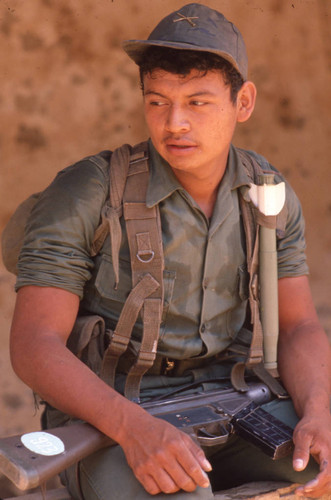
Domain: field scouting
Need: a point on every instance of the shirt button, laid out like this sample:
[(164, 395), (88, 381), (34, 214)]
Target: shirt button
[(203, 328)]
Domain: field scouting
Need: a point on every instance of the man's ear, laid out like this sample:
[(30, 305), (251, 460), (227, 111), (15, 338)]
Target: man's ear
[(246, 101)]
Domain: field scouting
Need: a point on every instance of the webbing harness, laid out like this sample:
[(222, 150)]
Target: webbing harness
[(129, 173), (253, 219)]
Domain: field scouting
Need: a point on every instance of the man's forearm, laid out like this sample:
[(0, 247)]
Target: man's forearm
[(305, 368), (61, 379), (303, 348), (42, 322)]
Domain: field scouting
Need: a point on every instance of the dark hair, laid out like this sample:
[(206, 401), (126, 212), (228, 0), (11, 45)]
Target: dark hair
[(181, 62)]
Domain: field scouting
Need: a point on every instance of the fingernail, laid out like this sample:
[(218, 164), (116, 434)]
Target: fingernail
[(298, 464), (324, 464), (207, 465), (311, 485), (207, 482)]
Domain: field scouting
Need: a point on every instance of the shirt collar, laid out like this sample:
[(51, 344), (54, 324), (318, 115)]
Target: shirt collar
[(238, 177), (163, 182)]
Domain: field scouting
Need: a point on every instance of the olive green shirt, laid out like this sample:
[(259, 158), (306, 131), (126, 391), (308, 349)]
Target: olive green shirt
[(205, 277)]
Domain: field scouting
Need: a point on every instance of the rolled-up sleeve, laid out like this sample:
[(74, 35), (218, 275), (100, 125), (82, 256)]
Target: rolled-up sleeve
[(61, 227), (292, 259)]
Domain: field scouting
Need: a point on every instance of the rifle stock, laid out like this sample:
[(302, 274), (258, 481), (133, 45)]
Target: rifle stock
[(28, 469), (208, 417)]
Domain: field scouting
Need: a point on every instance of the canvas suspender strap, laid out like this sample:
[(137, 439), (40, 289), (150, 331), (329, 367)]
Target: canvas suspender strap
[(143, 227), (255, 352), (121, 336), (252, 220), (112, 210), (145, 241)]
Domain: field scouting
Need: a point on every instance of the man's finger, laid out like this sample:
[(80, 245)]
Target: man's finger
[(166, 482), (300, 463), (181, 478), (318, 486), (149, 484), (204, 463), (194, 465), (301, 451), (315, 488), (199, 455)]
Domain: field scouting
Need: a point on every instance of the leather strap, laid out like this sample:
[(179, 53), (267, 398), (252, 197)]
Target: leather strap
[(144, 232), (121, 336), (129, 174), (252, 220)]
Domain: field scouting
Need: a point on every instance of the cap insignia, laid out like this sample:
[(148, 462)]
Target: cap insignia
[(185, 18)]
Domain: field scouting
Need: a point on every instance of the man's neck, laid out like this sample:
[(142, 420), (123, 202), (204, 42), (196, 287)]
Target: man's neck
[(202, 188)]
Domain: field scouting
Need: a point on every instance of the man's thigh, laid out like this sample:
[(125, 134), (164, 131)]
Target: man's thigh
[(239, 462), (105, 475)]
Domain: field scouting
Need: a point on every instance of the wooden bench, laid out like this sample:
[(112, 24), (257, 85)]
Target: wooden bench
[(260, 490)]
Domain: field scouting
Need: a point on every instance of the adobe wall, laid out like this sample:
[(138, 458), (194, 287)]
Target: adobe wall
[(68, 90)]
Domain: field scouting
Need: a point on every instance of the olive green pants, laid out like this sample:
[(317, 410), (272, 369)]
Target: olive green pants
[(106, 475)]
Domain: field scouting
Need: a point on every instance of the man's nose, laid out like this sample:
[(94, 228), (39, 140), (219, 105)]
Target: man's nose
[(177, 120)]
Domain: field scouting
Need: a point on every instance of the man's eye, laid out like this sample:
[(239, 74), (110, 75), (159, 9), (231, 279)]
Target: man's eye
[(198, 103), (157, 103)]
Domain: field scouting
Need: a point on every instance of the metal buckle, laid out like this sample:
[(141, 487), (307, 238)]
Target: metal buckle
[(145, 256), (169, 366)]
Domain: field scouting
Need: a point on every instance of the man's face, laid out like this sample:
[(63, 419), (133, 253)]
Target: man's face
[(191, 119)]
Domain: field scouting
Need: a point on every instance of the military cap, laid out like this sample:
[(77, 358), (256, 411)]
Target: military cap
[(195, 27)]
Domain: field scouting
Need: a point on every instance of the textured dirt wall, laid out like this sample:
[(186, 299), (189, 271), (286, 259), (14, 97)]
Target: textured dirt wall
[(68, 90)]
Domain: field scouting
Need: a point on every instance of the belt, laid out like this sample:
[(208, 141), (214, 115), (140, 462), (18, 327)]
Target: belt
[(166, 366), (177, 367)]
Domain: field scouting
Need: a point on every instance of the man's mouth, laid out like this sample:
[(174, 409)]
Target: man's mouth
[(179, 146), (180, 149)]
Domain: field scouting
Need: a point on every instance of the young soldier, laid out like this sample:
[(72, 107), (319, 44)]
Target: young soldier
[(194, 80)]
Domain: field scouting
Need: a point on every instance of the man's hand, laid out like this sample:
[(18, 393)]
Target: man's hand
[(312, 436), (163, 458), (304, 362)]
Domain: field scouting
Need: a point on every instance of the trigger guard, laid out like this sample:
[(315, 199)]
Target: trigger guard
[(206, 438)]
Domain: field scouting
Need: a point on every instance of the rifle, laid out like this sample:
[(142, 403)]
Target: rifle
[(209, 417)]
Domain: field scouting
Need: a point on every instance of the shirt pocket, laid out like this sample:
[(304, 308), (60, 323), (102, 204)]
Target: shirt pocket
[(168, 284), (115, 299), (235, 317), (110, 298)]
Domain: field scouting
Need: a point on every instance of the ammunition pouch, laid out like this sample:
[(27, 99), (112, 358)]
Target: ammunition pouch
[(88, 341)]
